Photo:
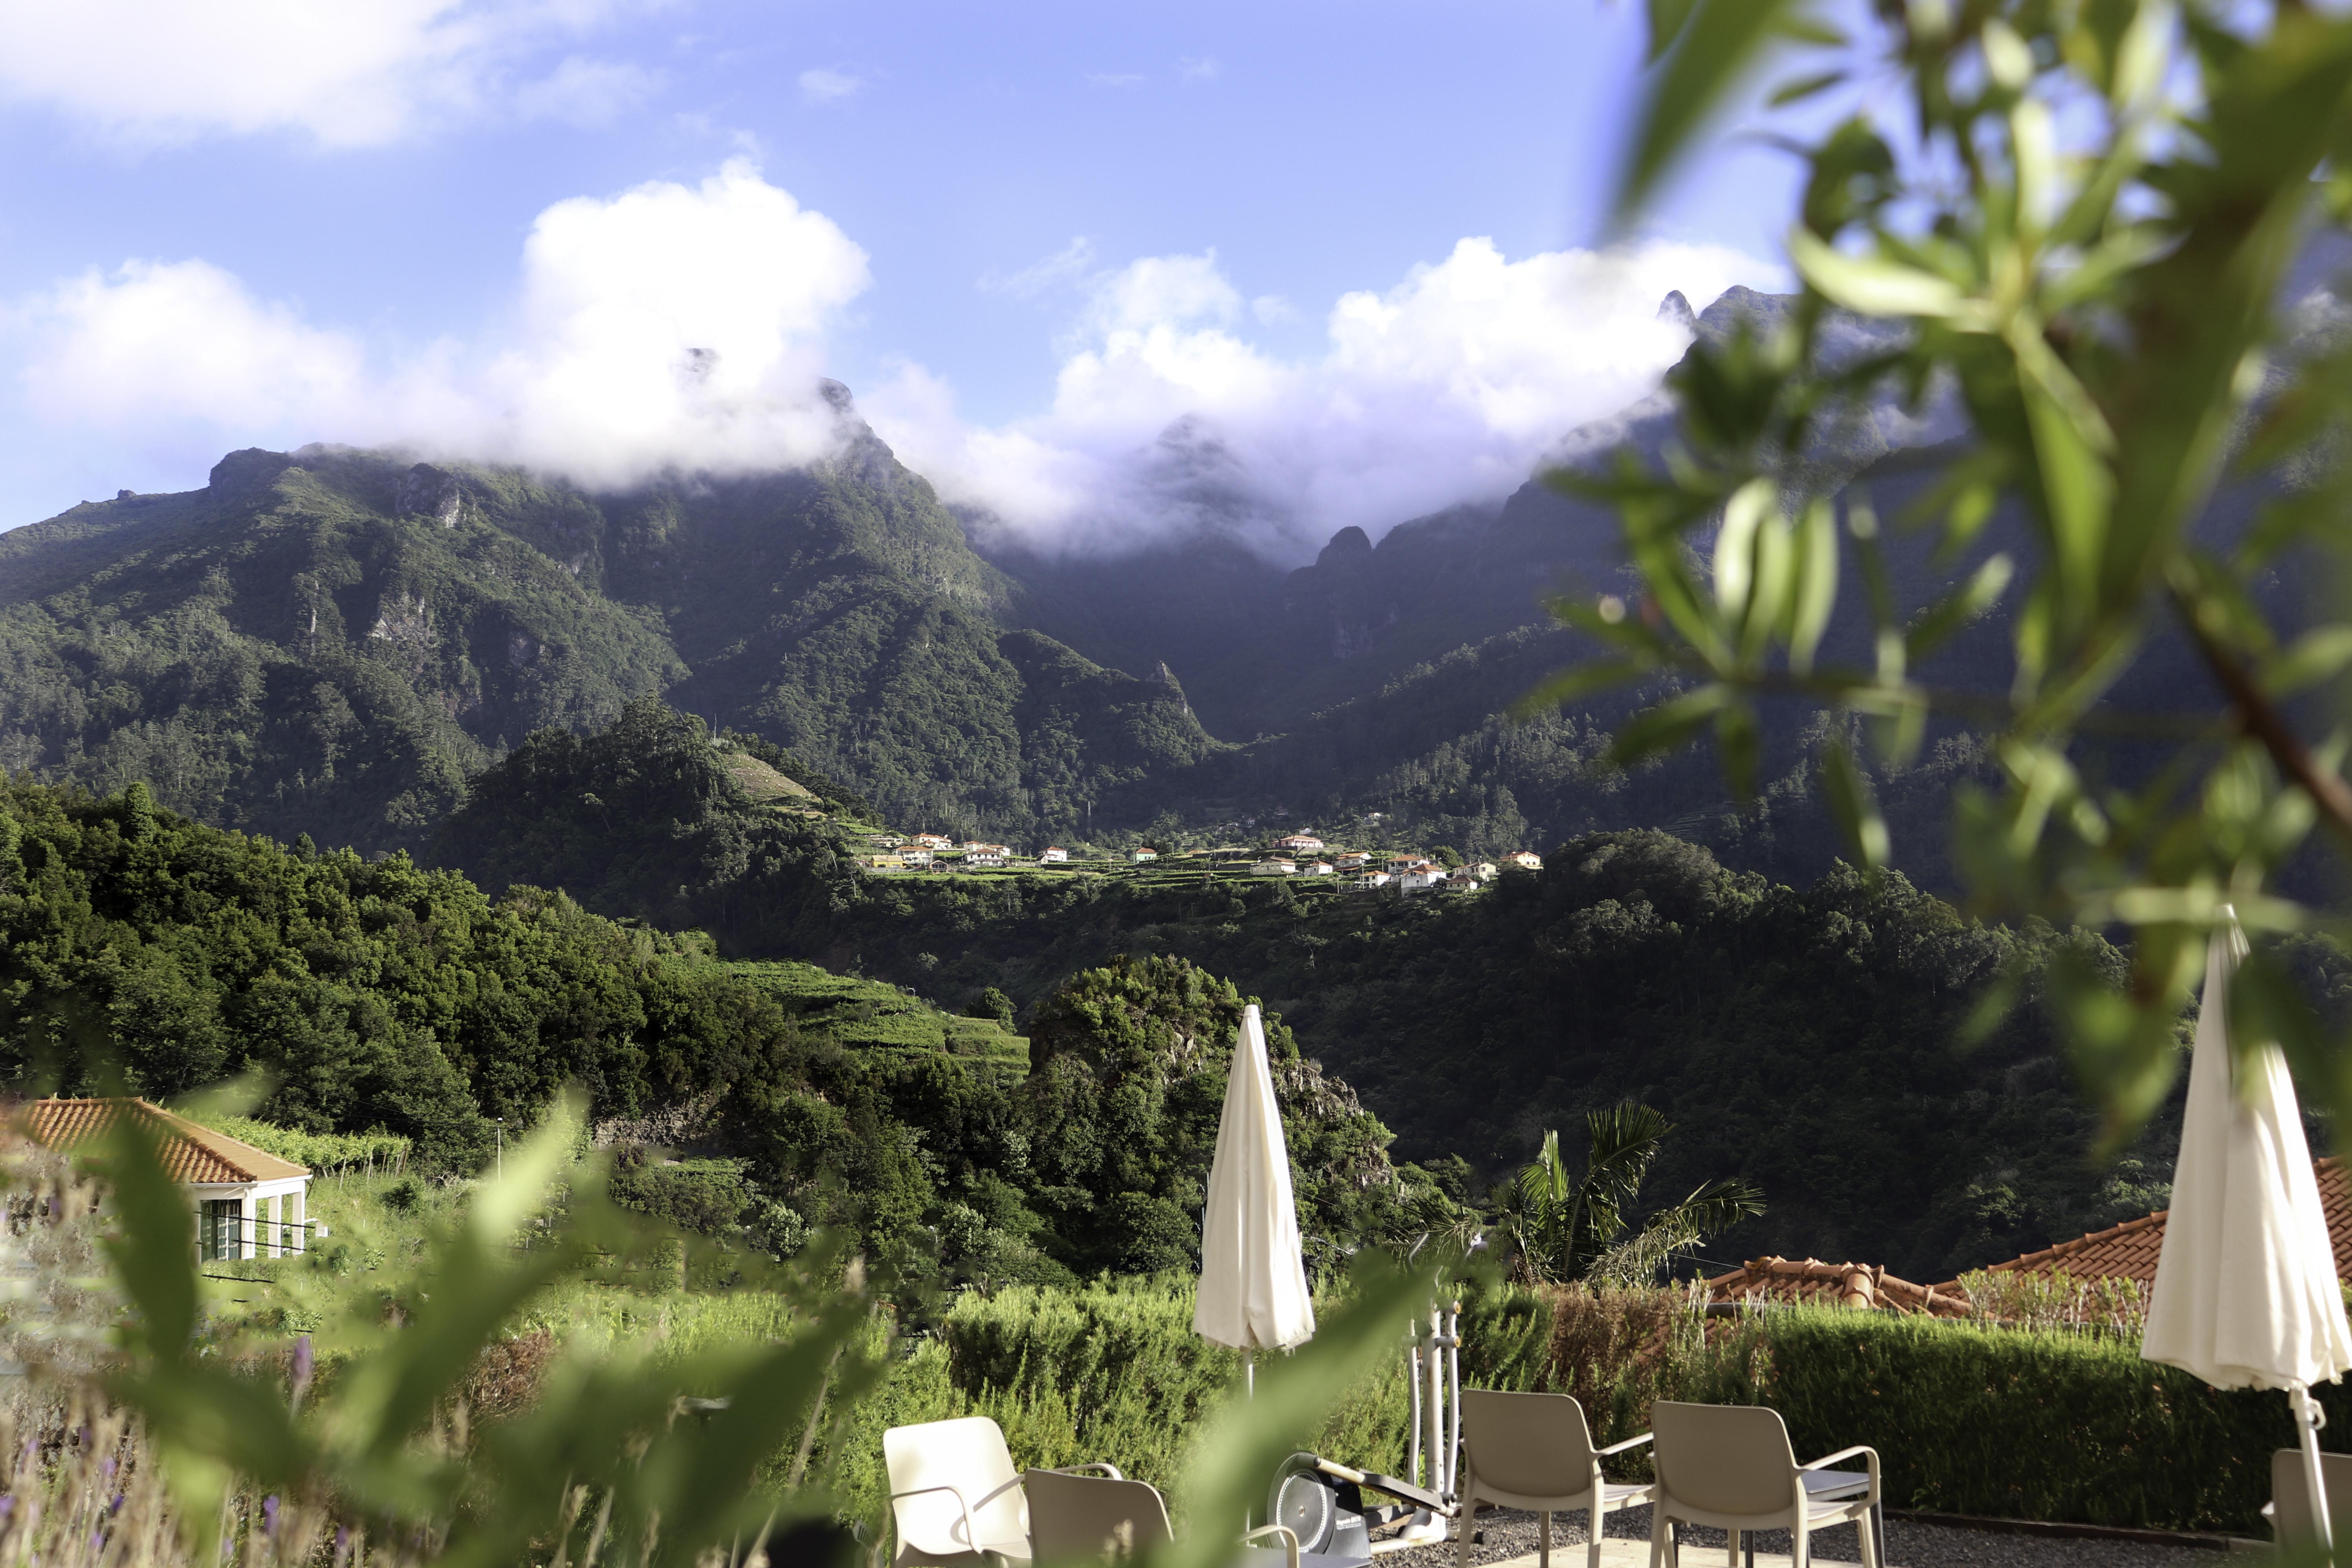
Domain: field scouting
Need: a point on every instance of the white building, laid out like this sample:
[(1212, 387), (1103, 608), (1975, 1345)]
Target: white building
[(984, 855), (1052, 855), (1371, 879), (248, 1203), (1275, 869), (1299, 843), (884, 840), (1138, 857), (1354, 860), (1526, 860), (915, 856), (1317, 868), (934, 841), (1482, 869)]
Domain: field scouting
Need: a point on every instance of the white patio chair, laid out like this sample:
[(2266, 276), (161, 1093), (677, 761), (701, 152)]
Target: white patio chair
[(1535, 1451), (2289, 1510), (1732, 1467), (955, 1497)]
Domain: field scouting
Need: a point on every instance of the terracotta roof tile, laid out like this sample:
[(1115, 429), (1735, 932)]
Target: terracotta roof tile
[(192, 1153), (2129, 1250), (1813, 1282)]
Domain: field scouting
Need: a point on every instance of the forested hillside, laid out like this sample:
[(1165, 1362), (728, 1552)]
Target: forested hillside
[(383, 995), (1805, 1036), (333, 642)]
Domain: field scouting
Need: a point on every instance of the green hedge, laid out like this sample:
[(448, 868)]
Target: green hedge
[(1113, 1371), (2048, 1426), (1967, 1419)]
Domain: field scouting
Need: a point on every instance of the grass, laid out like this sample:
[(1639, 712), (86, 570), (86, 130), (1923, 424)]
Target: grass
[(870, 1014)]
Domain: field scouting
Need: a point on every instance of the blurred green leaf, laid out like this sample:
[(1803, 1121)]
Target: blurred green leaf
[(1716, 44)]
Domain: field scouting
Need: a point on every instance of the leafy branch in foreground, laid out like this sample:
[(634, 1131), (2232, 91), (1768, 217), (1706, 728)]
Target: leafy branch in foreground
[(2074, 240)]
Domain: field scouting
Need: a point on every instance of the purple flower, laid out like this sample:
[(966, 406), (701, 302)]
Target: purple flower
[(116, 1505), (269, 1514), (7, 1505), (105, 1469)]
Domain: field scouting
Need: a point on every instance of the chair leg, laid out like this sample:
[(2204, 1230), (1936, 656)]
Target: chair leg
[(1658, 1533), (1468, 1526), (1731, 1541), (1870, 1557), (1543, 1549)]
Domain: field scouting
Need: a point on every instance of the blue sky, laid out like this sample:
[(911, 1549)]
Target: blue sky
[(1032, 239)]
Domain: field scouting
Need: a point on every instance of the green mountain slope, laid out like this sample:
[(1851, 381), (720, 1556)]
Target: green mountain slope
[(334, 641), (1804, 1036)]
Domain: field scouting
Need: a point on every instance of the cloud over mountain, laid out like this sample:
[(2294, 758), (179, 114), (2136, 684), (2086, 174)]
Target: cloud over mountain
[(681, 326), (668, 326), (1446, 387)]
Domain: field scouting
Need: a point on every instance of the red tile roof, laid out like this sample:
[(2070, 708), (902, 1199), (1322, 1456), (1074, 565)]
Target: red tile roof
[(2129, 1250), (192, 1153), (1816, 1283)]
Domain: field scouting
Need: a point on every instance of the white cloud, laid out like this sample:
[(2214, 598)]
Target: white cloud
[(684, 326), (146, 72), (822, 84), (1448, 387), (670, 326), (586, 92), (1068, 264), (1198, 67)]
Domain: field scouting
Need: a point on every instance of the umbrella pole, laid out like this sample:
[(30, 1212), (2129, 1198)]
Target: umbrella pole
[(1249, 1374), (2310, 1418)]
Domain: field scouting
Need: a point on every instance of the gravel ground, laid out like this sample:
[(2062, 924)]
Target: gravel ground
[(1510, 1534)]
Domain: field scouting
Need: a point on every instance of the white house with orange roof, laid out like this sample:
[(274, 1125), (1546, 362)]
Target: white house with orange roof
[(249, 1202)]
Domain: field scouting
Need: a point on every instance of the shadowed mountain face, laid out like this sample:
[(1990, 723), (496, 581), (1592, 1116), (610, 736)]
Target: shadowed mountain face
[(332, 641)]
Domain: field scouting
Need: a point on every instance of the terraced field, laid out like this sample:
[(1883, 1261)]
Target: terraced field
[(869, 1015)]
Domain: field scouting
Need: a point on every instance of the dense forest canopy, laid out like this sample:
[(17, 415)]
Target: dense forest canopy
[(1806, 1039), (372, 995)]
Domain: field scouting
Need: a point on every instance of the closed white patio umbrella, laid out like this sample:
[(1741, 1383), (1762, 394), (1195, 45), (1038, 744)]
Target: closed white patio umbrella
[(2246, 1293), (1252, 1275)]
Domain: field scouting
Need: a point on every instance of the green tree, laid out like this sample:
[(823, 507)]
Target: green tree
[(1563, 1225), (2153, 456)]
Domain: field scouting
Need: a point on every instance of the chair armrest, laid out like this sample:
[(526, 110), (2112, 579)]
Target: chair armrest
[(1628, 1443), (1289, 1542), (1105, 1465), (1864, 1449), (970, 1530), (1845, 1454)]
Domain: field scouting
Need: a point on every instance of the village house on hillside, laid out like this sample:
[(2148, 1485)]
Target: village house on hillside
[(1316, 868), (1370, 881), (1299, 843), (934, 841), (248, 1201), (1053, 854), (1525, 859), (1353, 860), (1274, 869), (985, 854), (916, 857), (884, 840), (1138, 857)]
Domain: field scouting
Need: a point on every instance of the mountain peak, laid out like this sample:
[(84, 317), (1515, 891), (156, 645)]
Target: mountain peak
[(1674, 308), (1347, 544)]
